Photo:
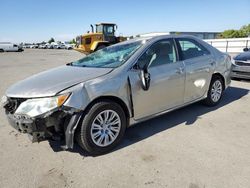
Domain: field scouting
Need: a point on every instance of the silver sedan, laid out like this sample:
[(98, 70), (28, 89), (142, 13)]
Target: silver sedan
[(93, 100)]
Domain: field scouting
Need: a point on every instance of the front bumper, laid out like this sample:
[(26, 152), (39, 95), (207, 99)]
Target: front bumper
[(39, 128), (60, 123), (240, 72)]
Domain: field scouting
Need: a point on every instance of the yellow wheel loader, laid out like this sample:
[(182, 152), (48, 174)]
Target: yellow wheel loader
[(103, 36)]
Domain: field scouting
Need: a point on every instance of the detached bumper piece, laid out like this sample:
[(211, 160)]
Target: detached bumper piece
[(70, 131)]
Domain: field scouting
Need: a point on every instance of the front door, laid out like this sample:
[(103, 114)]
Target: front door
[(167, 80)]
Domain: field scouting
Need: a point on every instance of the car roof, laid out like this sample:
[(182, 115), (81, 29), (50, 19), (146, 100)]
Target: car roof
[(155, 38), (159, 37)]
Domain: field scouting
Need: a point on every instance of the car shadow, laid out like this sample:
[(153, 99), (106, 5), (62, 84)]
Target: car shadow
[(187, 115)]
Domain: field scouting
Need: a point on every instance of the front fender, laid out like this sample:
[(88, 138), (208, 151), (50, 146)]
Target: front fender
[(79, 98), (85, 93)]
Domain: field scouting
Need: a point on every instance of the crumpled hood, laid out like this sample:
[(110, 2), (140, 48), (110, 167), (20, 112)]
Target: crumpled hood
[(50, 82)]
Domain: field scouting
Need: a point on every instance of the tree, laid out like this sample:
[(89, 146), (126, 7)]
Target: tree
[(231, 33), (244, 31), (73, 41), (51, 40)]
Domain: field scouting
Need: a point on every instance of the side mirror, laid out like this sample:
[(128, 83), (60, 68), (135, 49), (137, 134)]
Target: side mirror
[(245, 49), (145, 79)]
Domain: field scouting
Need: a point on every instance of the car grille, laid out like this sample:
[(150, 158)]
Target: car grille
[(13, 104), (242, 73), (240, 63)]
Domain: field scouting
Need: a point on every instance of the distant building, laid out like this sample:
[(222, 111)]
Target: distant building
[(201, 35)]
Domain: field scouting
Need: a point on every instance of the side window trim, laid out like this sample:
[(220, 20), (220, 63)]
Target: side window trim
[(178, 57), (178, 46)]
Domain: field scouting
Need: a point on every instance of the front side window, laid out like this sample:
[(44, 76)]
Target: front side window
[(191, 49), (110, 57), (160, 53), (109, 29)]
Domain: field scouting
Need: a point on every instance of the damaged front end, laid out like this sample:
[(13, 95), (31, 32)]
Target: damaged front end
[(58, 123)]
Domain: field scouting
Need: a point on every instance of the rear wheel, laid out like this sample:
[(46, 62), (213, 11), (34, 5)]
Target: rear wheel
[(1, 50), (102, 128), (215, 91)]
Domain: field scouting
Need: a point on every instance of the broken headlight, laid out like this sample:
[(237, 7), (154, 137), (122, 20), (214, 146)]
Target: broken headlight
[(35, 107)]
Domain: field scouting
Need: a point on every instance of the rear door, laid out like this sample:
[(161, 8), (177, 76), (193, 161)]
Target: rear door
[(199, 64)]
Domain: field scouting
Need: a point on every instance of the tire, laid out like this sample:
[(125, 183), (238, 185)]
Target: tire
[(1, 50), (100, 47), (215, 91), (96, 137)]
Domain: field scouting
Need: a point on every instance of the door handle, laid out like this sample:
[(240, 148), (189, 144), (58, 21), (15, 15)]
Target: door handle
[(212, 63), (179, 70)]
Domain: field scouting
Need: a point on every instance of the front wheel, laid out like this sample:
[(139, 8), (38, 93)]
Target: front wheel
[(215, 91), (102, 127)]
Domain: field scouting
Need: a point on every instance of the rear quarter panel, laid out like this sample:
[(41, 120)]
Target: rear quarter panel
[(223, 63)]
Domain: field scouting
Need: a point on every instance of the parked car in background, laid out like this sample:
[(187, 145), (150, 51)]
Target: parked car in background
[(10, 47), (26, 46), (59, 46), (42, 46), (241, 65), (68, 46), (48, 46), (94, 99), (34, 46), (54, 45)]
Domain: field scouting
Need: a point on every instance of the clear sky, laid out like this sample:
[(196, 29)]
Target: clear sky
[(38, 20)]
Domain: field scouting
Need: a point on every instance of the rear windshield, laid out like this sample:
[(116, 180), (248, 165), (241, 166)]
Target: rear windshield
[(110, 57)]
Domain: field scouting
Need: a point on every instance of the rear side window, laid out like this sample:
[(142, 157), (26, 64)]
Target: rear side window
[(190, 49)]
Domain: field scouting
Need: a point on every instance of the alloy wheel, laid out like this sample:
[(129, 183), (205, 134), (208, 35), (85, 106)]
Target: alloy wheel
[(105, 128), (216, 91)]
